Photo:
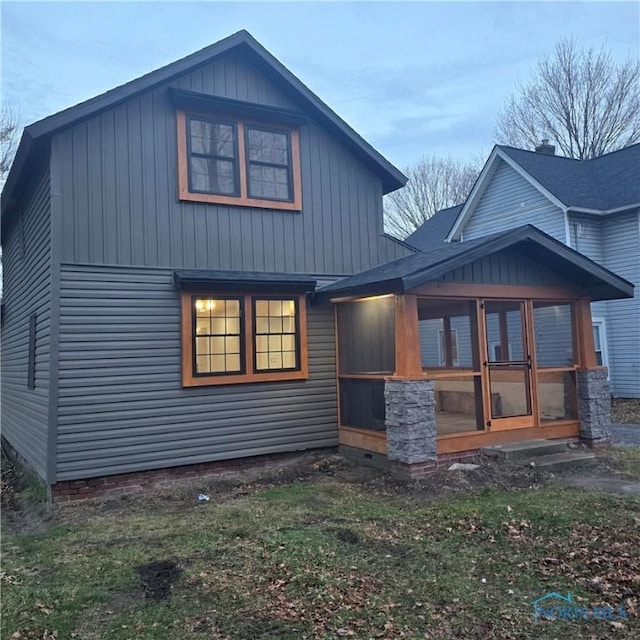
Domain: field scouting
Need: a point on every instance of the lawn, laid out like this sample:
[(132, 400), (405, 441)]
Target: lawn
[(326, 557)]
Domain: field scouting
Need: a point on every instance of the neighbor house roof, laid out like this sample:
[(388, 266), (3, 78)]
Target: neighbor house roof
[(435, 230), (602, 185), (605, 183), (33, 137), (410, 272)]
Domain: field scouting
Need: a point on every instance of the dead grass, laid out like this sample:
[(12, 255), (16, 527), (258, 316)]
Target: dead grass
[(324, 554)]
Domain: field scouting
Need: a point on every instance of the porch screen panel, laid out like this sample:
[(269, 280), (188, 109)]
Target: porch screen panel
[(366, 336), (448, 334), (553, 330), (362, 404)]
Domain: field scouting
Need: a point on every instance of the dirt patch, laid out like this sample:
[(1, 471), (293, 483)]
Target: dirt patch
[(346, 536), (625, 411), (157, 578)]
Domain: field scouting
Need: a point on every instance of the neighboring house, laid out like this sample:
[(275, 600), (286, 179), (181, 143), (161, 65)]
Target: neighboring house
[(169, 253), (592, 206)]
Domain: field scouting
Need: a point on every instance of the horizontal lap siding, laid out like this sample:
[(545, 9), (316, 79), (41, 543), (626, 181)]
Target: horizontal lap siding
[(121, 404), (510, 201), (27, 289), (621, 248), (585, 233), (120, 206)]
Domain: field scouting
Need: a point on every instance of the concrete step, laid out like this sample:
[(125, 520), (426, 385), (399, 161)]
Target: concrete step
[(516, 451), (560, 461)]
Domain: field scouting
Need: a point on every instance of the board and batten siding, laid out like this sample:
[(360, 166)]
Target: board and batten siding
[(121, 404), (621, 249), (510, 201), (119, 193), (27, 289)]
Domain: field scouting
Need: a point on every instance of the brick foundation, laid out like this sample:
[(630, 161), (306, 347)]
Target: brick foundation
[(75, 491), (427, 468)]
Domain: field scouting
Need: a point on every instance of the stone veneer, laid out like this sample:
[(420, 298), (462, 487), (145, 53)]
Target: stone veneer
[(594, 406), (411, 421)]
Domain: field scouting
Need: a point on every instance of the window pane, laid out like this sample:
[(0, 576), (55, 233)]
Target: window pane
[(213, 139), (217, 364), (275, 343), (553, 329), (202, 364), (213, 176), (202, 346), (233, 362), (217, 345), (219, 350), (288, 360), (268, 146), (271, 183)]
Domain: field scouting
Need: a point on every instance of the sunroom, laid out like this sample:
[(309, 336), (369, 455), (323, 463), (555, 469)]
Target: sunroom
[(470, 345)]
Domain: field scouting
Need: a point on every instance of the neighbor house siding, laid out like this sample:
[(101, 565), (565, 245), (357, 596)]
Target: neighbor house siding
[(119, 193), (585, 236), (510, 201), (121, 404), (26, 290), (621, 249)]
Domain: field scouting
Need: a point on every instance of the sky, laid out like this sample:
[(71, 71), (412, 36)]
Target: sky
[(413, 78)]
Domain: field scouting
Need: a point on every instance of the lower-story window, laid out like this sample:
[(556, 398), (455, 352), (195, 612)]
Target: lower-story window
[(243, 338)]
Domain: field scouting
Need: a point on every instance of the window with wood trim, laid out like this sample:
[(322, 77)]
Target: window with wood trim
[(231, 339), (223, 160)]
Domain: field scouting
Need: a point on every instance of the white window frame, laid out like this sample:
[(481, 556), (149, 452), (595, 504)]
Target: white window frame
[(454, 337), (601, 323)]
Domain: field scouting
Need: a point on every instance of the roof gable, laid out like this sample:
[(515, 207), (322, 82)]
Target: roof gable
[(605, 184), (412, 271), (36, 134)]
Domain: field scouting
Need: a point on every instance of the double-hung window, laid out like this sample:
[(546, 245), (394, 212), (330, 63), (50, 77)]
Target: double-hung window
[(224, 160), (243, 338)]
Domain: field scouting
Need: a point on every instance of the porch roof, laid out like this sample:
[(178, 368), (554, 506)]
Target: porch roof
[(412, 271)]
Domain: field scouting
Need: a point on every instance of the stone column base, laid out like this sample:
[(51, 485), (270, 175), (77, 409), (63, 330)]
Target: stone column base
[(594, 406), (410, 421)]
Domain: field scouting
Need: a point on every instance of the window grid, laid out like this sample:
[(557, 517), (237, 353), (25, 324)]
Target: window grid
[(218, 347), (276, 334)]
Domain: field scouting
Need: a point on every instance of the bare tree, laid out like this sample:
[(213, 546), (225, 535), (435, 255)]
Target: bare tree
[(580, 99), (9, 137), (434, 183)]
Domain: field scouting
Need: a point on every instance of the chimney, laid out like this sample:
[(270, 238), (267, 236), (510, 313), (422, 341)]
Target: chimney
[(546, 148)]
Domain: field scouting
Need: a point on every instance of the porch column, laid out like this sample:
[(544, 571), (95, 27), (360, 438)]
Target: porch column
[(410, 421), (594, 397)]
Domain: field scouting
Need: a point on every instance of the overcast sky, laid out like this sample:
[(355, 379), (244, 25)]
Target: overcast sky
[(412, 78)]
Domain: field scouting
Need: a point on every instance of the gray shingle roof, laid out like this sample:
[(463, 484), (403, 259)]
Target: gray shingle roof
[(608, 182), (409, 272), (435, 230)]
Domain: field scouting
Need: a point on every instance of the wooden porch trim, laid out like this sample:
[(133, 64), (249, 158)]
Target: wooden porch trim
[(469, 441), (584, 334), (363, 439), (510, 291), (408, 363)]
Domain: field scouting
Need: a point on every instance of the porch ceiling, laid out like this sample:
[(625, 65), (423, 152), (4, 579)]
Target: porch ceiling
[(412, 271)]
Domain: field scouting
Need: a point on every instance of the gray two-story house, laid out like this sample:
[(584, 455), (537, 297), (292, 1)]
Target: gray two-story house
[(173, 251), (592, 206)]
